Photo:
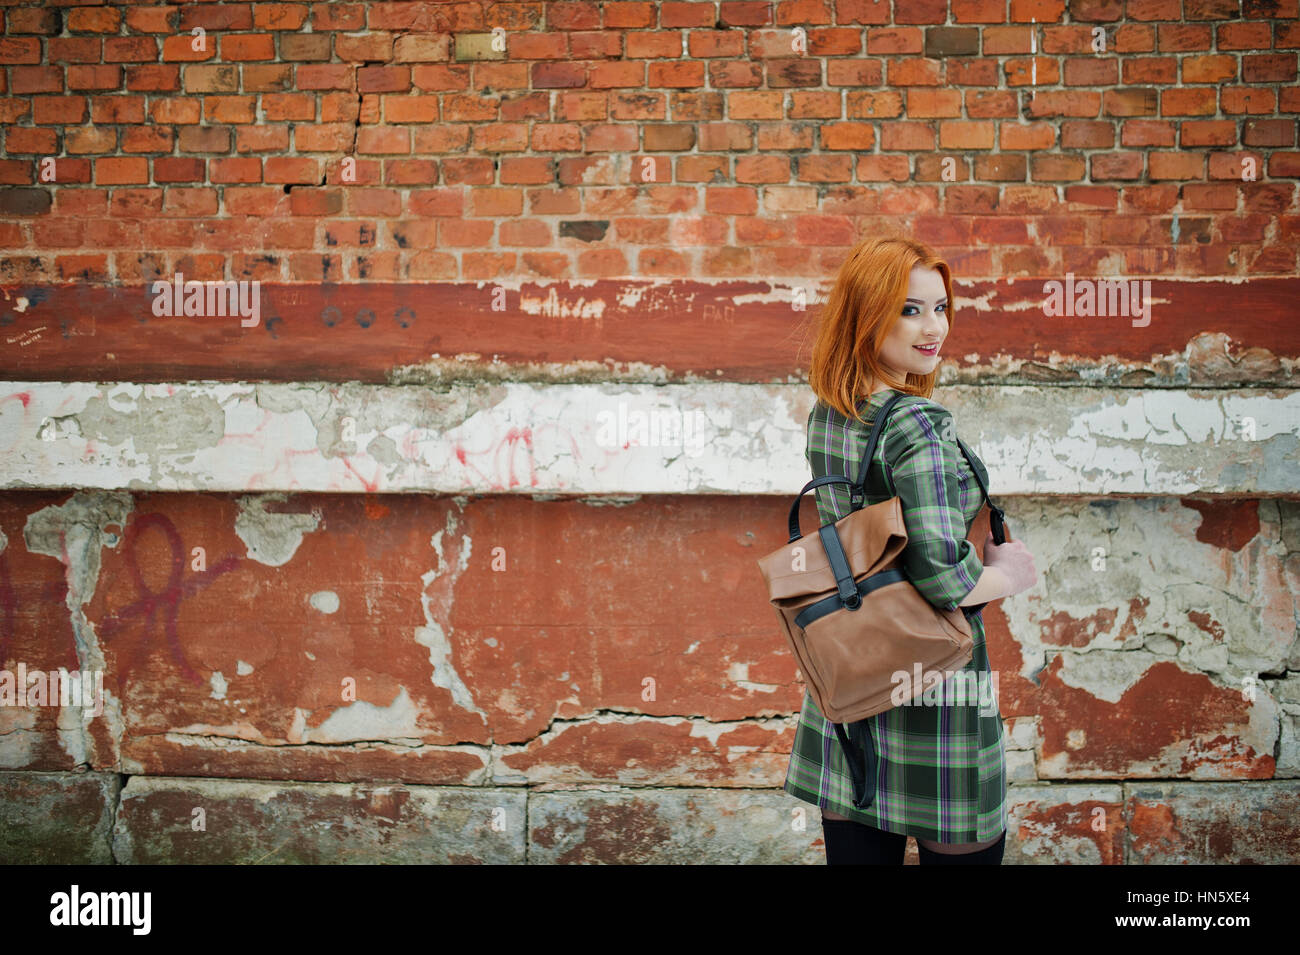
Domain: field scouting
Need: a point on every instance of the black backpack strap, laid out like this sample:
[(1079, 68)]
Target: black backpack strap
[(861, 757), (857, 497)]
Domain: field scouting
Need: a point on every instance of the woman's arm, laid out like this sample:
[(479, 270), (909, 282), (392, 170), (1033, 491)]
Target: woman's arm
[(923, 467), (992, 585)]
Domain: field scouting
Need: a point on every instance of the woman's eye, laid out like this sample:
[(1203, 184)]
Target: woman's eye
[(909, 309)]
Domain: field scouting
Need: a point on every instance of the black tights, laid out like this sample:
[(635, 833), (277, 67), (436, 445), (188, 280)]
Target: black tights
[(855, 843)]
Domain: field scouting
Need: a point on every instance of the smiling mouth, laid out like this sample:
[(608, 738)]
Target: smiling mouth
[(928, 350)]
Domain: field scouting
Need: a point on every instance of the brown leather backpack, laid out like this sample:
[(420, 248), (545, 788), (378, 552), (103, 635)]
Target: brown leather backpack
[(851, 616)]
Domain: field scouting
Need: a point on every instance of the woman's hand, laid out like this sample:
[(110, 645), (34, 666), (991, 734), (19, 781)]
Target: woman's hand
[(1014, 560)]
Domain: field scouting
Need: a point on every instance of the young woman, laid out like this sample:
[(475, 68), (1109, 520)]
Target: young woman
[(941, 776)]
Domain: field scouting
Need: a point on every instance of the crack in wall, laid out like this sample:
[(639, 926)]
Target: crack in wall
[(74, 533)]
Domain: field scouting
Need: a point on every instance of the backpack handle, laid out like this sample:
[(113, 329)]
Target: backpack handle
[(795, 532)]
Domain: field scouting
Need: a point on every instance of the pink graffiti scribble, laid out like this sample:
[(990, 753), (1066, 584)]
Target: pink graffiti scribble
[(167, 601)]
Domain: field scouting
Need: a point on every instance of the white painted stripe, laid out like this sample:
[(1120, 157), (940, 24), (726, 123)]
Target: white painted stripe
[(532, 438)]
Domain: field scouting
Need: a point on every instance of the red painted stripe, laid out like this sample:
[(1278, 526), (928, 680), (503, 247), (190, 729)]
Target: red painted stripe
[(365, 332)]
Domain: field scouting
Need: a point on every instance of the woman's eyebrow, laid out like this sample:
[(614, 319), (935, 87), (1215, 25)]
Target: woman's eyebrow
[(921, 301)]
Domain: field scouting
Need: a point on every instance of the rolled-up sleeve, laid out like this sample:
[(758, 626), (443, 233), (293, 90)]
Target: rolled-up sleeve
[(921, 448)]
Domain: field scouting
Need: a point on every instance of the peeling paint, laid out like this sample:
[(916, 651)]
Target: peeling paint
[(326, 601), (272, 537)]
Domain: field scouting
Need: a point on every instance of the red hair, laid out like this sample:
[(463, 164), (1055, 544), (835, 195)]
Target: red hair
[(863, 308)]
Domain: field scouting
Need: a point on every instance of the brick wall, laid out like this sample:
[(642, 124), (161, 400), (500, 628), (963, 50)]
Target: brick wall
[(370, 559)]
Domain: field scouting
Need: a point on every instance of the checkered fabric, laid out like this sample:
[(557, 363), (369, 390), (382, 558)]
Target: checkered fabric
[(942, 768)]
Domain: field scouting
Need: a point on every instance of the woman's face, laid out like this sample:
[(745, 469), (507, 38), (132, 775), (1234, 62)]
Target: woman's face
[(924, 322)]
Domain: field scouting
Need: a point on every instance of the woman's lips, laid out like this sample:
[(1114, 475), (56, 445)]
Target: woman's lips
[(932, 350)]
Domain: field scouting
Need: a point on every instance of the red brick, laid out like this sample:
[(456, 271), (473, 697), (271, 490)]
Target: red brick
[(162, 19), (212, 78), (94, 77), (1271, 133), (153, 78), (933, 104), (688, 13), (290, 169), (329, 17), (324, 137), (235, 169), (383, 79), (331, 76), (1175, 165), (116, 171), (382, 203), (20, 140), (1237, 100), (230, 109), (297, 107), (903, 40), (266, 77), (42, 20), (75, 49), (1047, 168), (870, 105), (20, 50), (704, 44), (1269, 68), (93, 139), (573, 15), (81, 268), (59, 110), (914, 72), (364, 47), (959, 135), (36, 79), (304, 47), (1029, 136), (117, 109), (248, 46), (1188, 102), (424, 172), (1182, 37), (178, 169), (602, 75), (1214, 132), (261, 139), (978, 11), (462, 233), (988, 104), (422, 48), (1104, 166), (204, 139), (1243, 36), (822, 168), (383, 139), (279, 16), (130, 49), (216, 18), (1145, 132), (859, 137), (94, 20), (921, 11), (1150, 70), (903, 136)]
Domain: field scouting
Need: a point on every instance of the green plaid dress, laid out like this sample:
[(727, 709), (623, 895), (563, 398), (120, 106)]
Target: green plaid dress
[(942, 772)]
